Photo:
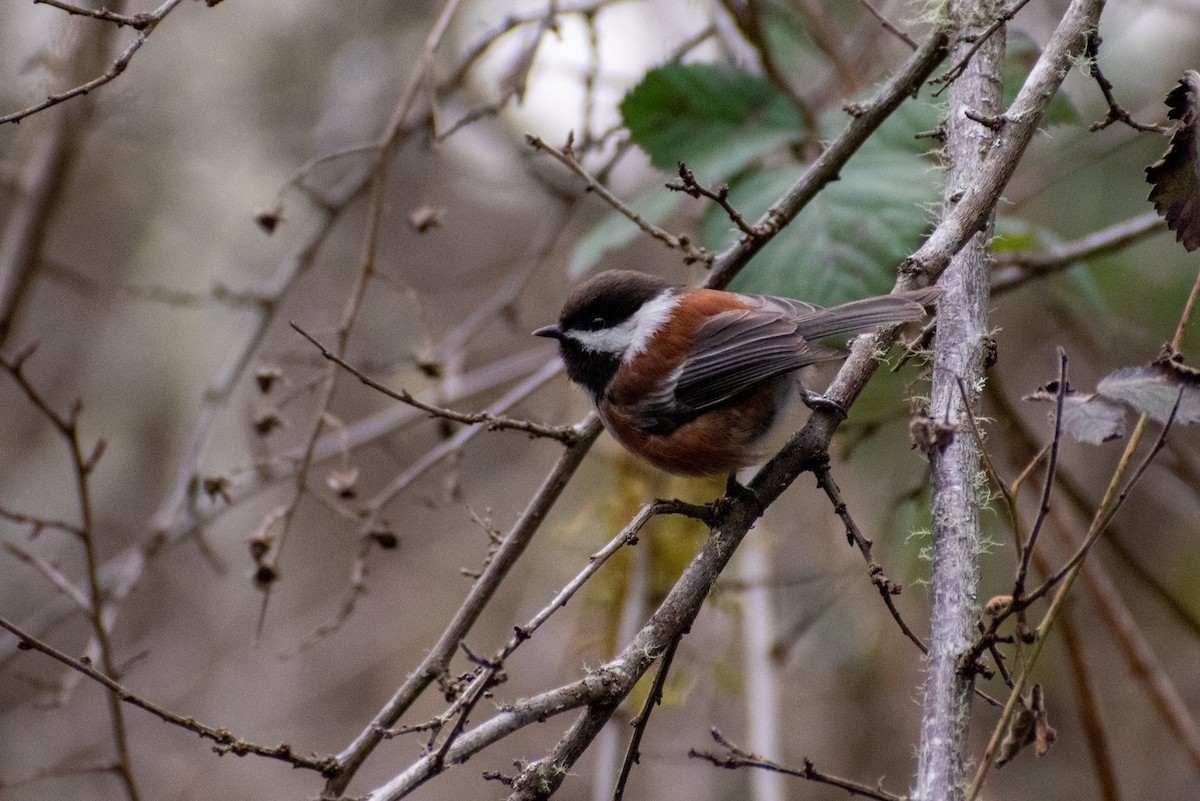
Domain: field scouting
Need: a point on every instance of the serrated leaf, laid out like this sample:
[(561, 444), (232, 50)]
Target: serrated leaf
[(1020, 54), (715, 119), (1153, 390), (1176, 176), (1087, 418), (848, 240), (616, 230)]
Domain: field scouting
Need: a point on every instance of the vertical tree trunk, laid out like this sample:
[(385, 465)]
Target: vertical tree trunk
[(958, 362)]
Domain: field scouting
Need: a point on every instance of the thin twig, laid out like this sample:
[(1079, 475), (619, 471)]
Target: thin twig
[(690, 186), (1100, 523), (1116, 112), (653, 699), (735, 758), (1185, 319), (136, 21), (226, 741), (53, 575), (887, 25), (955, 71), (1064, 580), (149, 22), (887, 589), (83, 463), (1027, 548), (374, 531), (39, 523), (1012, 270), (748, 17), (566, 157), (564, 434)]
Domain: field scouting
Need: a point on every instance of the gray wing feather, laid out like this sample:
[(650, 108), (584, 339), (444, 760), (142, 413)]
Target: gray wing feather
[(741, 350), (737, 350)]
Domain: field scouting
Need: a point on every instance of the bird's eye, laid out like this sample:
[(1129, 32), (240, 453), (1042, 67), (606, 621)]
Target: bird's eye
[(596, 323)]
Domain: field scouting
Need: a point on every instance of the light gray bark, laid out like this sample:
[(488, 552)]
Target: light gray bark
[(957, 372)]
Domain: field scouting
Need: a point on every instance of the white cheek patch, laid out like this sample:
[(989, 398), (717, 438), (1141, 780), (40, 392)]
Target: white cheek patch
[(613, 340), (648, 320), (630, 338)]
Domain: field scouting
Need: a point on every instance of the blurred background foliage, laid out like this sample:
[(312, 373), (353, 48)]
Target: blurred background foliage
[(143, 291)]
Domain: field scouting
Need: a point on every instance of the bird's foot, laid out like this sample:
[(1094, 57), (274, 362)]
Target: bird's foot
[(818, 402)]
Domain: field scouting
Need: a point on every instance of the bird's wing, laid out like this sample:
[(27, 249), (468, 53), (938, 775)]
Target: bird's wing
[(737, 350)]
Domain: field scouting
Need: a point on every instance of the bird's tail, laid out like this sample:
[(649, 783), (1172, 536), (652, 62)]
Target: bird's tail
[(861, 316)]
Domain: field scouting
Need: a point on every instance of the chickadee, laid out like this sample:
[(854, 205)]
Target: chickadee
[(690, 379)]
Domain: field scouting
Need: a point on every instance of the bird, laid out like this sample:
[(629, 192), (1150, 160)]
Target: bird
[(692, 380)]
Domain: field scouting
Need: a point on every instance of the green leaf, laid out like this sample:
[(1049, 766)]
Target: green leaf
[(847, 242), (616, 230), (715, 119), (1020, 54)]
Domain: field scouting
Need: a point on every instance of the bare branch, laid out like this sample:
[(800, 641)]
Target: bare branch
[(138, 22), (1016, 269), (54, 576), (960, 66), (566, 157), (82, 465), (735, 757), (886, 587), (1116, 112), (1026, 549), (827, 167), (653, 699), (226, 742), (435, 662), (145, 24), (690, 186), (888, 26), (564, 434)]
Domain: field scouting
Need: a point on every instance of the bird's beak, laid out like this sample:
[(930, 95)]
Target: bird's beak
[(551, 331)]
